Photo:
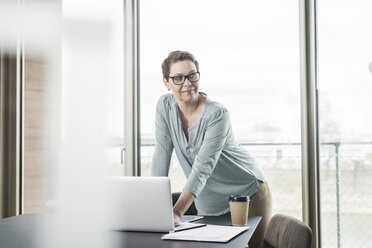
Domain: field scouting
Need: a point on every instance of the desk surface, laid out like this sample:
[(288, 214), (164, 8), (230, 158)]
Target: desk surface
[(23, 231), (141, 239)]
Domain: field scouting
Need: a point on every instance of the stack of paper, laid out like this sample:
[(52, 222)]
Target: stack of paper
[(209, 233)]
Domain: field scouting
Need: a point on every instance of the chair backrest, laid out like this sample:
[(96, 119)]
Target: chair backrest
[(192, 209), (287, 232)]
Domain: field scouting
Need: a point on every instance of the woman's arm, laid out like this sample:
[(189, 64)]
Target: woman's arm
[(214, 140), (163, 144), (183, 203), (216, 134)]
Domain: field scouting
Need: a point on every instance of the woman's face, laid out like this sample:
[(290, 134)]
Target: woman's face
[(186, 92)]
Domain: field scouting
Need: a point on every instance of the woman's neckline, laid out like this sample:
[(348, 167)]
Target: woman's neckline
[(203, 106)]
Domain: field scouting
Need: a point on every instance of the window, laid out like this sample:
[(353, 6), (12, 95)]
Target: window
[(345, 120), (249, 61), (49, 105)]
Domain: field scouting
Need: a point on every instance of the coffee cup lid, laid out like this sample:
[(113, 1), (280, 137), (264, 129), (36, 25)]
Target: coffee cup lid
[(239, 198)]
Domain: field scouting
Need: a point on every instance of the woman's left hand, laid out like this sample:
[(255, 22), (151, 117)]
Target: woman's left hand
[(182, 205), (176, 218)]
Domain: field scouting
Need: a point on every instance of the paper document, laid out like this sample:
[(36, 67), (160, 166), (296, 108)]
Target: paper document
[(208, 233)]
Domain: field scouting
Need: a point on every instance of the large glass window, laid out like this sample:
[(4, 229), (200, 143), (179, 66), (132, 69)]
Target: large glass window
[(345, 110), (249, 61), (46, 99)]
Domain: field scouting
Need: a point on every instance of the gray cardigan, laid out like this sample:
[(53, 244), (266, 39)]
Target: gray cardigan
[(215, 165)]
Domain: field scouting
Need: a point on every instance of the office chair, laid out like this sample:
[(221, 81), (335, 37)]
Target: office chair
[(287, 232), (192, 209)]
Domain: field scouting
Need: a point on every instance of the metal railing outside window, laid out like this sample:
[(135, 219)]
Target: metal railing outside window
[(344, 166)]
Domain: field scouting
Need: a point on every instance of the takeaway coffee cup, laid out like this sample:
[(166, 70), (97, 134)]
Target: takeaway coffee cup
[(239, 205)]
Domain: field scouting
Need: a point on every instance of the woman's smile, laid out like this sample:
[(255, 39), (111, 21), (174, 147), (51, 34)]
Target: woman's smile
[(188, 91)]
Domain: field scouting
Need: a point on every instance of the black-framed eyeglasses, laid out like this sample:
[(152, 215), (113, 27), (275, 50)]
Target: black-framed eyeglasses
[(180, 79)]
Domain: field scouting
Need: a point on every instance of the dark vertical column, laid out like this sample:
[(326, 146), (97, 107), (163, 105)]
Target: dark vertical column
[(9, 134), (309, 118)]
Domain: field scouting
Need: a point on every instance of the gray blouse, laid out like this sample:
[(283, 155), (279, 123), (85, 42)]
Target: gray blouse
[(215, 165)]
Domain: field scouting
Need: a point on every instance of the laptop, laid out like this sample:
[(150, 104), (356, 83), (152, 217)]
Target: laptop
[(139, 204)]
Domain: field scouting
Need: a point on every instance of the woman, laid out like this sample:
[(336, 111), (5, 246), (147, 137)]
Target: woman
[(199, 130)]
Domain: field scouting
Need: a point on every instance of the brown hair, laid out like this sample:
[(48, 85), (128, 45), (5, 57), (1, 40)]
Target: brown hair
[(174, 57)]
